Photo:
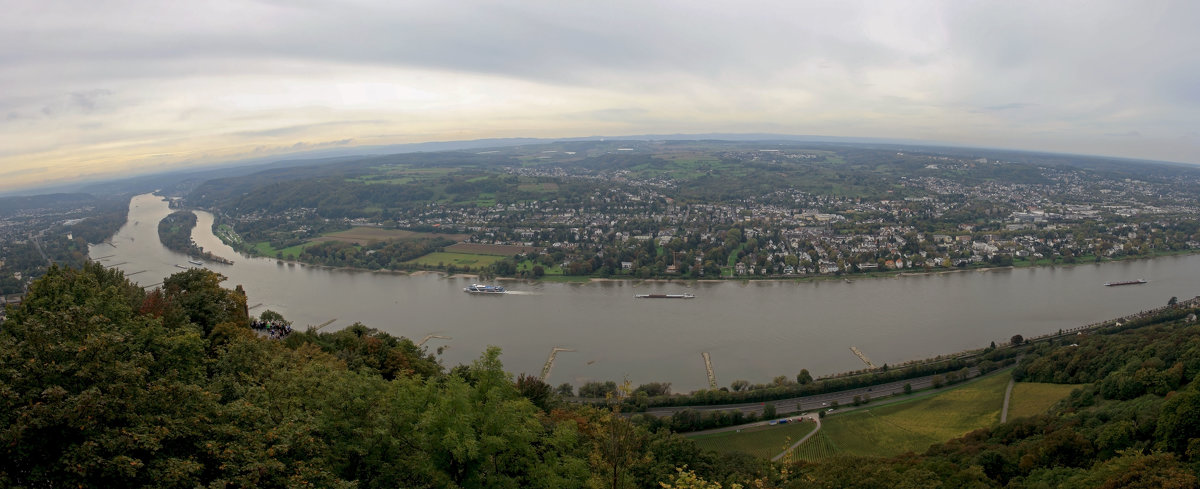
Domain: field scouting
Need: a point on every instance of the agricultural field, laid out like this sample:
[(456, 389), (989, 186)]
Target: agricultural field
[(1034, 398), (816, 448), (760, 441), (909, 426), (460, 260), (367, 235)]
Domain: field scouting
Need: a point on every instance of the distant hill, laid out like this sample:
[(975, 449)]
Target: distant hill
[(57, 200)]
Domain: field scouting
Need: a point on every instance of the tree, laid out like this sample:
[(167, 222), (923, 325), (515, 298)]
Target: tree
[(804, 378), (1173, 301), (907, 388), (1179, 421), (1016, 340), (565, 389), (655, 389), (769, 410), (739, 385), (598, 389), (538, 392)]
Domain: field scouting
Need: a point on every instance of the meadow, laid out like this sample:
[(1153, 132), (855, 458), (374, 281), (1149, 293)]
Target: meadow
[(1034, 398), (460, 260), (909, 426), (760, 441)]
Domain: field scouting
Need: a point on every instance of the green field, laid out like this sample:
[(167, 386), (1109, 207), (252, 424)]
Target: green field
[(446, 258), (527, 265), (913, 426), (1033, 398), (265, 249), (760, 441)]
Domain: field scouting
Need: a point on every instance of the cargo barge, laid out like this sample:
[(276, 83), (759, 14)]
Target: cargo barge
[(1127, 282), (664, 296)]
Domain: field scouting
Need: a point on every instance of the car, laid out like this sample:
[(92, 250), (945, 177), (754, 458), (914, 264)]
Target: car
[(830, 410)]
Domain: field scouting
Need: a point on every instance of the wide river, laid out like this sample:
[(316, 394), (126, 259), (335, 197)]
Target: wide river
[(753, 330)]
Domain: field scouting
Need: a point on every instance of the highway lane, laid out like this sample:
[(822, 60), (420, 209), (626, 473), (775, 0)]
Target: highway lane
[(814, 402)]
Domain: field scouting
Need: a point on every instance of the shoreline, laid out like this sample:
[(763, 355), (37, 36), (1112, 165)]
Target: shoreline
[(850, 278)]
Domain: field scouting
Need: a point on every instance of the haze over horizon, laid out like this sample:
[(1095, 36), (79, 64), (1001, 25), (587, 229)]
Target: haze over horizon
[(100, 89)]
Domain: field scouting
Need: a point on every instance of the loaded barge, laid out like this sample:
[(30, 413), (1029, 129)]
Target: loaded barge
[(1127, 282), (664, 296)]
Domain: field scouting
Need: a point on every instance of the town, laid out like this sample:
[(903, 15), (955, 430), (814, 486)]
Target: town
[(655, 224)]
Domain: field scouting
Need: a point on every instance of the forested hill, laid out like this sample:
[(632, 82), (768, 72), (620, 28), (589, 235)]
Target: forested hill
[(103, 384)]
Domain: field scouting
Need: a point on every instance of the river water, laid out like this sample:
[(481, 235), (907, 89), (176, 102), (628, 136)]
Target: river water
[(753, 330)]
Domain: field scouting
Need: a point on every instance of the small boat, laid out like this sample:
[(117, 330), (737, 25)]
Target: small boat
[(1127, 282), (484, 289), (664, 296), (195, 262)]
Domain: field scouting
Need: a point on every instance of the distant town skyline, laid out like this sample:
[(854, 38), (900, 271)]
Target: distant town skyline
[(104, 89)]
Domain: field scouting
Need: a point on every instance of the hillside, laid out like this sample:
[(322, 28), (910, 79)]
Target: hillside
[(103, 384)]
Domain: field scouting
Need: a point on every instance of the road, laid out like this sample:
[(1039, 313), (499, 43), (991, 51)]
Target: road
[(1007, 396), (820, 401), (801, 440)]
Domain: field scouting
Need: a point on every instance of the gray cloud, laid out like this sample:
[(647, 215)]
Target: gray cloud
[(1008, 106), (1035, 75), (303, 128)]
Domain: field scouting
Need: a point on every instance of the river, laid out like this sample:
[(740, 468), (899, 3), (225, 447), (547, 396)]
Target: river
[(753, 330)]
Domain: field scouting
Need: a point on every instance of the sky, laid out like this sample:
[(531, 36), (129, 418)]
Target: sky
[(92, 89)]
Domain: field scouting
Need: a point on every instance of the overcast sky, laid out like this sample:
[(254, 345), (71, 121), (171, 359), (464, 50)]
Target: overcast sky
[(113, 87)]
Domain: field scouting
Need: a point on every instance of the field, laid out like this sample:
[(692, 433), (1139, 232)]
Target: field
[(264, 249), (368, 235), (1032, 398), (488, 249), (538, 187), (760, 441), (457, 259), (914, 425)]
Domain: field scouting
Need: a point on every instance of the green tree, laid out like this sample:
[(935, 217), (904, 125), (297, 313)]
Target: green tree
[(804, 378)]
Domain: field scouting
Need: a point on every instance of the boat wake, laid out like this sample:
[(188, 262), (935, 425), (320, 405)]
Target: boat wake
[(522, 292)]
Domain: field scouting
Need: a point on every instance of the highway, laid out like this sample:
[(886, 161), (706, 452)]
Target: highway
[(810, 403)]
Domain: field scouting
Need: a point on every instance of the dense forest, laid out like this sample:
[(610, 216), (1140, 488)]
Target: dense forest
[(104, 384)]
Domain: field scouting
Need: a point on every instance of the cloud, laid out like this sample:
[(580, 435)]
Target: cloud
[(85, 102), (1008, 106), (143, 77), (302, 128)]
